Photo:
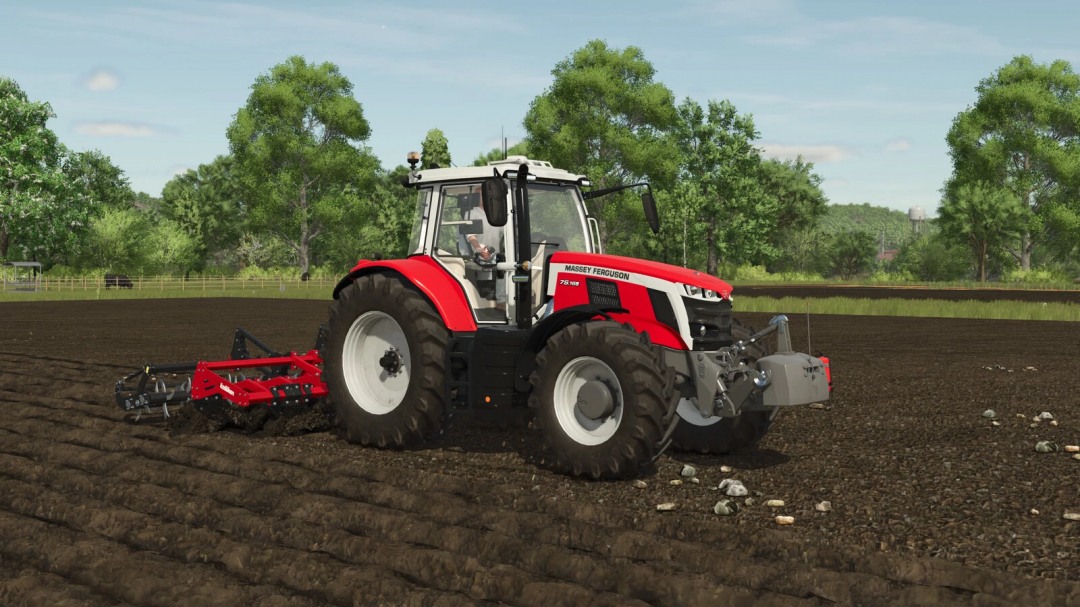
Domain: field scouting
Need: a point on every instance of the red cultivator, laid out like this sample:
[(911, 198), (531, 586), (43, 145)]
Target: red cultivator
[(284, 380)]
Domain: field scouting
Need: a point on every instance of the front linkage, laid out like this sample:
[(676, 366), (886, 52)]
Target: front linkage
[(286, 379)]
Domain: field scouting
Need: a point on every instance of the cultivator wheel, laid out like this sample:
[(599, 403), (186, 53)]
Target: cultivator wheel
[(721, 435), (601, 394), (384, 353)]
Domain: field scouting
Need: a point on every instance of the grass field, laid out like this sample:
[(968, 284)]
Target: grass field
[(927, 308), (290, 291)]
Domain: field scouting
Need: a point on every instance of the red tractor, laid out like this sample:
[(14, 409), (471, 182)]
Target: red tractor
[(615, 358)]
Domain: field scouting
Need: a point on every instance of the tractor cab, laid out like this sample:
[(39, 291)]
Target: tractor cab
[(451, 226)]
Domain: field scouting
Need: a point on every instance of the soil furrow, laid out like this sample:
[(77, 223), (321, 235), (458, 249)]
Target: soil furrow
[(29, 587), (731, 567), (115, 571), (308, 574), (440, 569), (362, 519)]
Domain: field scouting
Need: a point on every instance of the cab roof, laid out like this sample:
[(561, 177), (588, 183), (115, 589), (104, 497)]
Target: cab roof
[(542, 169)]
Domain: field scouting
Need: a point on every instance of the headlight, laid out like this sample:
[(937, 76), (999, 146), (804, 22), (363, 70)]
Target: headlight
[(710, 294), (695, 291)]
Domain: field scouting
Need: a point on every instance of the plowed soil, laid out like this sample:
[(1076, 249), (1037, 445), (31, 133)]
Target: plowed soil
[(952, 294), (930, 502)]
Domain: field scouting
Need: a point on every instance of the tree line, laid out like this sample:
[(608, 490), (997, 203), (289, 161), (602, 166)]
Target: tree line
[(300, 189)]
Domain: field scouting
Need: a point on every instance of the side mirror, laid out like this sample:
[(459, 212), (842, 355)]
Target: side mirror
[(493, 194), (649, 205)]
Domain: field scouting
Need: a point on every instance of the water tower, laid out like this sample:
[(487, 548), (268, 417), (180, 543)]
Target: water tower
[(917, 218)]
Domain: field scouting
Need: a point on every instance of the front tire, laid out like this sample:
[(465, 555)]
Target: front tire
[(384, 363), (722, 435), (600, 392)]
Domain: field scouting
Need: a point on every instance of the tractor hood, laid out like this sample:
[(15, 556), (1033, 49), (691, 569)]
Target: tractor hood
[(654, 269)]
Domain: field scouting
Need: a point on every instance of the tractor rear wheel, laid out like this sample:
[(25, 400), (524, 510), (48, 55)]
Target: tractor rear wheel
[(720, 435), (600, 393), (384, 362)]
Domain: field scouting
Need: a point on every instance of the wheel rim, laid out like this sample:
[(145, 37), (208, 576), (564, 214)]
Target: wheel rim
[(373, 387), (690, 414), (573, 422)]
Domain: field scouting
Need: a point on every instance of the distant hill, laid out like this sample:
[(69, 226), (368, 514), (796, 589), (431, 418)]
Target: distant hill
[(868, 218)]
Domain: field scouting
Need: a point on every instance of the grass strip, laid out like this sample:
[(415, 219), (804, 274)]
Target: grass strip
[(290, 292), (926, 308)]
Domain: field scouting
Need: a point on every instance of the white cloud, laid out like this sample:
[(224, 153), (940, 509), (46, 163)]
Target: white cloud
[(898, 145), (102, 80), (115, 129), (814, 153)]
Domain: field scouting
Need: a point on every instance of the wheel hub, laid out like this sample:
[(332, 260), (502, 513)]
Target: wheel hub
[(391, 362), (595, 400)]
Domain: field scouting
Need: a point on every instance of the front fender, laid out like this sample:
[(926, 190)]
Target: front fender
[(441, 289)]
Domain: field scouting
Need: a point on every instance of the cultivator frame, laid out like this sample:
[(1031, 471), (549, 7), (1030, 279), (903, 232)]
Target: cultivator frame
[(286, 380)]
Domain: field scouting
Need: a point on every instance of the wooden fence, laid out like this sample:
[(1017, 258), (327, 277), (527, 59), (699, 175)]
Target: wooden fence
[(179, 283)]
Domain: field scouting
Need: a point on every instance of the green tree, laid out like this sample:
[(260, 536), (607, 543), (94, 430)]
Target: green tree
[(119, 240), (981, 217), (42, 211), (721, 164), (297, 146), (174, 249), (435, 150), (932, 258), (868, 218), (851, 253), (800, 203), (206, 204), (802, 249), (1023, 134), (518, 149), (103, 181), (148, 203), (604, 116)]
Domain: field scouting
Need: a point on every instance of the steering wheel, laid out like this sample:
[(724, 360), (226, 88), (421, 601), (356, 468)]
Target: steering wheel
[(488, 263)]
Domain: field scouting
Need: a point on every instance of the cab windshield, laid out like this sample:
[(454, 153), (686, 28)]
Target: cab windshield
[(556, 219)]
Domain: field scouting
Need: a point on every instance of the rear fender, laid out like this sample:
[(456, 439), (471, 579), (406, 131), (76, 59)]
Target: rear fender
[(441, 289)]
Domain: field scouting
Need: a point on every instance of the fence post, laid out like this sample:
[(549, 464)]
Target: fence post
[(222, 283), (204, 282)]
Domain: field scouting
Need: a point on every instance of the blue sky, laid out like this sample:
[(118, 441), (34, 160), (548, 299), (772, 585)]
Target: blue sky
[(865, 89)]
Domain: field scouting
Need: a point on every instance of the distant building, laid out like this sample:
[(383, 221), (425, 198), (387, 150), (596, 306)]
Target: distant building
[(887, 255)]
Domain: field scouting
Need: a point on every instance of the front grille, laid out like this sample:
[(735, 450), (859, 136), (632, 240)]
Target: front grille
[(603, 293), (715, 316)]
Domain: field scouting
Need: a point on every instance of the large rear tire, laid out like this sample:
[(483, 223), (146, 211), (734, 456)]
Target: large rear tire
[(600, 392), (384, 352), (721, 435)]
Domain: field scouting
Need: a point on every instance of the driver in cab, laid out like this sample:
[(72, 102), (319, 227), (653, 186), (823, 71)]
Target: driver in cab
[(486, 245)]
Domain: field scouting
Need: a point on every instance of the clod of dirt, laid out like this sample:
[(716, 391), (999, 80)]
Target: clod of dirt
[(1020, 415), (694, 480), (1045, 415), (640, 484), (1053, 422), (1046, 446), (989, 413), (1030, 369), (726, 508), (725, 468), (665, 507), (1077, 456), (817, 405), (1072, 448), (1034, 512), (749, 501), (785, 520), (689, 471), (675, 482), (774, 503), (733, 487), (758, 494), (1072, 516), (825, 506), (995, 423)]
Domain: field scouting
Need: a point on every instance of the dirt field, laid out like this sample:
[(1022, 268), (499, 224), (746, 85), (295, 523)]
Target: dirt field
[(930, 503), (861, 292)]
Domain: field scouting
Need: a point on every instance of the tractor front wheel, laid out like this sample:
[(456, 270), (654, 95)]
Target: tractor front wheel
[(721, 435), (383, 358), (600, 392)]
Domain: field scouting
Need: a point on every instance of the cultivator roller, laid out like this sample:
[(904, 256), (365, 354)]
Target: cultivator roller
[(280, 380)]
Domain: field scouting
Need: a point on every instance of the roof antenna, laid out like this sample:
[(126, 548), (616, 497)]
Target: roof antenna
[(808, 350), (502, 135)]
